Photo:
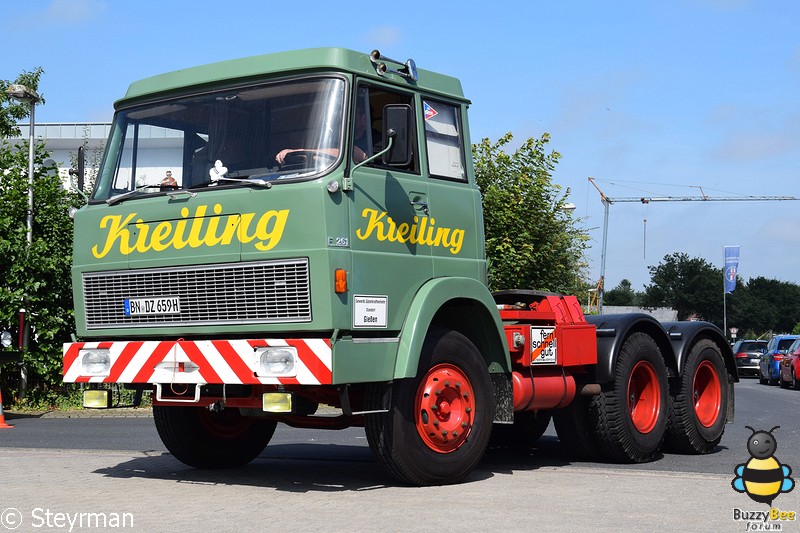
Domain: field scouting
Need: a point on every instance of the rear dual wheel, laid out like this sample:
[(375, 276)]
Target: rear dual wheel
[(630, 417), (627, 421), (527, 429), (438, 424), (699, 399)]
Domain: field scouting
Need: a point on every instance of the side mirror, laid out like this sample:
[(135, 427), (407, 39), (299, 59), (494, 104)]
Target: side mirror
[(397, 119), (79, 171)]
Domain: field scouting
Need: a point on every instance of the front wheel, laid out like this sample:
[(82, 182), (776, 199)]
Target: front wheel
[(698, 401), (630, 418), (438, 424), (197, 437)]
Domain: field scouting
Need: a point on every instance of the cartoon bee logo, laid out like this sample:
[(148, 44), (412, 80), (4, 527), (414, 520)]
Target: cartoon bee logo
[(762, 477)]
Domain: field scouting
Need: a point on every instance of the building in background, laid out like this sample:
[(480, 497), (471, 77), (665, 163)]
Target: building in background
[(63, 139)]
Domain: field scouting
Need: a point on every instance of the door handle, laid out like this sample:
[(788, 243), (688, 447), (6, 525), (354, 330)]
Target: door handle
[(423, 205)]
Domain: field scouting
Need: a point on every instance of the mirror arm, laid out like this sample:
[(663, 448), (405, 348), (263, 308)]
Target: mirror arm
[(347, 182)]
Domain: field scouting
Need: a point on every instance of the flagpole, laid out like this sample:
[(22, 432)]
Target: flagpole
[(724, 299)]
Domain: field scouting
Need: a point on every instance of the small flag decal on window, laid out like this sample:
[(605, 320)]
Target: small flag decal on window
[(430, 112)]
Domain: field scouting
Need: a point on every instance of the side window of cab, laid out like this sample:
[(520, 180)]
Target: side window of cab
[(444, 140), (369, 129)]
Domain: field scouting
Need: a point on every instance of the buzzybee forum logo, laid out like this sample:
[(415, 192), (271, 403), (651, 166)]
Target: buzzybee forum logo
[(763, 477)]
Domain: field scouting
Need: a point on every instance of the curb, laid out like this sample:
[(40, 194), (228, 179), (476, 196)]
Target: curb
[(121, 412)]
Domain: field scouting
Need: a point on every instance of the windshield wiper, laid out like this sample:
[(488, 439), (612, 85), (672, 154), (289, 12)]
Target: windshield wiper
[(249, 181), (118, 198)]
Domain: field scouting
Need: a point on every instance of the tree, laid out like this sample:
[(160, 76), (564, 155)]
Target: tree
[(35, 277), (11, 111), (622, 294), (531, 239), (691, 286)]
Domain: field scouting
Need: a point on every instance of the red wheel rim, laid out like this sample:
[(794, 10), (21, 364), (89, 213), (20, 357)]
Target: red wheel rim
[(445, 408), (707, 394), (644, 397)]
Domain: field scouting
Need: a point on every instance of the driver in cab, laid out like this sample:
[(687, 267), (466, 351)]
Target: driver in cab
[(360, 145)]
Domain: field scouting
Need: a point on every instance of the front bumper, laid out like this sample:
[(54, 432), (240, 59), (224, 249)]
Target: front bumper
[(229, 362)]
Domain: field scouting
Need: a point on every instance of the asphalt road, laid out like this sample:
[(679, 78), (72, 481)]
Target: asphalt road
[(328, 481)]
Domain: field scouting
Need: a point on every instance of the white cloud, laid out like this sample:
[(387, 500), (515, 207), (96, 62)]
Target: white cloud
[(383, 36), (72, 11), (751, 134)]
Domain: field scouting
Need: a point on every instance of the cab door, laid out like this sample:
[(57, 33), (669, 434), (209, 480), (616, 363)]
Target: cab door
[(456, 215), (388, 209)]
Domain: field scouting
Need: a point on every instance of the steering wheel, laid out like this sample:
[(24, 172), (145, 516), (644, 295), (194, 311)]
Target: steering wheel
[(305, 158)]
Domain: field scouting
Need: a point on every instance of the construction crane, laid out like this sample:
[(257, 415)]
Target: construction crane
[(703, 197)]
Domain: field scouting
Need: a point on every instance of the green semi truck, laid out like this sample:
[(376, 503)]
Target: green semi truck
[(269, 234)]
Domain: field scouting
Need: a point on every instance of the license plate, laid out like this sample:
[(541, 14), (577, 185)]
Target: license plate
[(754, 361), (167, 305)]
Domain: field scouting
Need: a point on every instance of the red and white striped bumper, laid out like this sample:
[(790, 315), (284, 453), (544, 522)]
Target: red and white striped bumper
[(214, 362)]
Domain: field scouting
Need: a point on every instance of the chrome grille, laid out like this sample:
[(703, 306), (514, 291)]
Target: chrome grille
[(241, 293)]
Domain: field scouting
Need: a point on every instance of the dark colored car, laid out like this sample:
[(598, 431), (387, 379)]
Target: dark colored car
[(790, 367), (769, 368), (747, 354)]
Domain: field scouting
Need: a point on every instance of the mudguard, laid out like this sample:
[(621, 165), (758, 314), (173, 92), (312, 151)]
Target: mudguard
[(683, 335), (675, 339), (462, 304), (613, 330)]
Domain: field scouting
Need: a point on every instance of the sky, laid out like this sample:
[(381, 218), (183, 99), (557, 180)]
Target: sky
[(679, 98)]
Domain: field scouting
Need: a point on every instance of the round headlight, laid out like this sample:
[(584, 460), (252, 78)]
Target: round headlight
[(96, 362), (277, 361)]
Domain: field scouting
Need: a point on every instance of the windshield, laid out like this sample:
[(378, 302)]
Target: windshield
[(278, 131)]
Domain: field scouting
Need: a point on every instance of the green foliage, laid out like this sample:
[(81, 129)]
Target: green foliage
[(622, 294), (531, 240), (796, 329), (765, 304), (11, 111), (34, 277), (688, 285), (693, 286)]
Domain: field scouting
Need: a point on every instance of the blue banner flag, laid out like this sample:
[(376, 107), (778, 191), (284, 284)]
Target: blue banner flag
[(731, 267)]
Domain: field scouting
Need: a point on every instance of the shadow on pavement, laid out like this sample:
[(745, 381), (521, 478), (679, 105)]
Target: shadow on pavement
[(322, 468)]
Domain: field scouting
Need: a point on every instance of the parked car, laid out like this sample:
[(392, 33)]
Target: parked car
[(747, 354), (790, 367), (769, 365)]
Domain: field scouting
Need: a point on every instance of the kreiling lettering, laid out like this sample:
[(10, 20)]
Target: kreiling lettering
[(423, 231), (193, 231)]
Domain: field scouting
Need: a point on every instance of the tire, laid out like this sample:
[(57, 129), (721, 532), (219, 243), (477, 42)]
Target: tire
[(761, 378), (795, 381), (783, 384), (438, 424), (630, 418), (574, 430), (698, 402), (528, 427), (197, 437)]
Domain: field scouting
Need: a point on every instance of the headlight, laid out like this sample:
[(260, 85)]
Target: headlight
[(95, 362), (5, 339), (276, 361)]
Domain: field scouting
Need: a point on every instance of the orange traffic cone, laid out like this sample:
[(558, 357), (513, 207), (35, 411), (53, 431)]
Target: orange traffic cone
[(2, 416)]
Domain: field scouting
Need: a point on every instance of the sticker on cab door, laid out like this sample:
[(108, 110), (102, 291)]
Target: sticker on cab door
[(370, 311)]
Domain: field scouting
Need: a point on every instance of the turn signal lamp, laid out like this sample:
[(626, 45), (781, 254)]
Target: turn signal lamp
[(277, 402), (340, 281), (97, 399)]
